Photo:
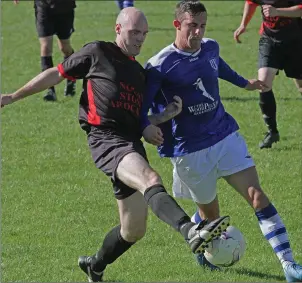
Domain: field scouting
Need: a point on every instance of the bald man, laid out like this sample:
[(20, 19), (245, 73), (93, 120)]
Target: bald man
[(110, 106)]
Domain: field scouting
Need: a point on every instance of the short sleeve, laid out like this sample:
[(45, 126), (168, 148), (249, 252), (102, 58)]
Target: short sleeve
[(78, 65)]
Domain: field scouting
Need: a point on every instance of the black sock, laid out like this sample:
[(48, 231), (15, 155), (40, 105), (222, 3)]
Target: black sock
[(167, 209), (46, 63), (113, 247), (268, 108)]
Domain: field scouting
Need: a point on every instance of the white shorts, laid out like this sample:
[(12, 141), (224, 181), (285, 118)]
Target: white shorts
[(195, 175)]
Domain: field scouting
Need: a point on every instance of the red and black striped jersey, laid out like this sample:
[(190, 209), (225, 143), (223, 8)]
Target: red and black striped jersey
[(279, 28)]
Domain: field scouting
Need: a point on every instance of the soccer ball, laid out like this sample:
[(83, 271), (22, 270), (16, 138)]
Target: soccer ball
[(227, 249)]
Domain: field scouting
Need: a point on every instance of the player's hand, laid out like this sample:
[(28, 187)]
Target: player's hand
[(16, 2), (256, 85), (269, 11), (173, 108), (153, 135), (6, 100), (238, 32)]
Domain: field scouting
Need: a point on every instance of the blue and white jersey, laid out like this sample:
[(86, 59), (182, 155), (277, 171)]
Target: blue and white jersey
[(194, 78)]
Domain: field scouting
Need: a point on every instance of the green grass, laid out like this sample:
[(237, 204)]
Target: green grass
[(56, 205)]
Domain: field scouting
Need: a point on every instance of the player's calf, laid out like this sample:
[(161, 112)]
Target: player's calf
[(257, 198)]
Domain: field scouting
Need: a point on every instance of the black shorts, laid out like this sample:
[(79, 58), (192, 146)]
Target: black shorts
[(107, 149), (285, 56), (49, 23)]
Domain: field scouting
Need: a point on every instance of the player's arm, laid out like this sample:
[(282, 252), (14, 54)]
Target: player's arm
[(291, 12), (43, 81), (153, 85), (74, 67), (151, 133), (226, 73), (171, 110), (248, 13), (154, 81)]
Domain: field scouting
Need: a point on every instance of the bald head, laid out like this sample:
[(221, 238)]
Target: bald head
[(131, 29), (130, 15)]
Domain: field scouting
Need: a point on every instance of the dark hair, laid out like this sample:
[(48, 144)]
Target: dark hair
[(193, 7)]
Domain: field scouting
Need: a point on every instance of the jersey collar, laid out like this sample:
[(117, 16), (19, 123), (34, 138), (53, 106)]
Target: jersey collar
[(186, 53)]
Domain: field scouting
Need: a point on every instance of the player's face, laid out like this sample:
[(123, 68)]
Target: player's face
[(133, 35), (191, 30)]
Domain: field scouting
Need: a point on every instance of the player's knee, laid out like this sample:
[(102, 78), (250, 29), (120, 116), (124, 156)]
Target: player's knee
[(258, 198), (133, 234), (152, 178)]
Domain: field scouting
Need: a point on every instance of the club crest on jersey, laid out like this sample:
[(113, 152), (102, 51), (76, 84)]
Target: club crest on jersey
[(200, 86), (213, 64)]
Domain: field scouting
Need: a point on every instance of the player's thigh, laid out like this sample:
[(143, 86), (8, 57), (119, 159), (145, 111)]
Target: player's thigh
[(134, 170), (44, 23), (210, 210), (269, 61), (195, 177), (235, 156), (64, 25), (292, 52), (133, 212), (123, 159)]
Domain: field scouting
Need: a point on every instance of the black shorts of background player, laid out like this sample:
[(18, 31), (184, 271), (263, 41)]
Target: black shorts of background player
[(54, 17)]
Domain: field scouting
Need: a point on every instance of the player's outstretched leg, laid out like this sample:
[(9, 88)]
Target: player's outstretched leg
[(200, 235), (200, 258)]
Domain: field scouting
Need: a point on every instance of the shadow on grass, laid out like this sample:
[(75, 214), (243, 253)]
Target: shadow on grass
[(249, 272)]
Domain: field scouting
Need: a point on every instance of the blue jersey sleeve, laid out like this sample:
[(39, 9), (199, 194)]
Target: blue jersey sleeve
[(154, 80), (227, 74)]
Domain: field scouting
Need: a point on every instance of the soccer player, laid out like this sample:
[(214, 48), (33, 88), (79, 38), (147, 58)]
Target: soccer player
[(203, 141), (110, 108), (54, 17), (124, 3), (280, 48)]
